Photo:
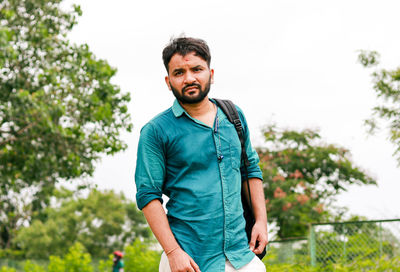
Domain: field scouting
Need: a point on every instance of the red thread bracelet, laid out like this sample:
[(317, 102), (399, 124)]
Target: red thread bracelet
[(169, 252)]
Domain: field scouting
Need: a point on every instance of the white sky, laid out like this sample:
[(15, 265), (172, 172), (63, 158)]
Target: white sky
[(290, 62)]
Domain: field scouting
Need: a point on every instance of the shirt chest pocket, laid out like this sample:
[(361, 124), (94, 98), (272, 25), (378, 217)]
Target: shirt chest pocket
[(235, 155)]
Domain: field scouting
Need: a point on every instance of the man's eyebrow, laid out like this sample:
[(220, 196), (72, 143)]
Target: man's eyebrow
[(197, 66), (177, 70)]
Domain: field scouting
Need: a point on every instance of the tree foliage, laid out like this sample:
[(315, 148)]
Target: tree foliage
[(302, 177), (386, 84), (102, 222), (59, 110)]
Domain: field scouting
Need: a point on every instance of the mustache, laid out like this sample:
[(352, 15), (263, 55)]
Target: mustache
[(191, 85)]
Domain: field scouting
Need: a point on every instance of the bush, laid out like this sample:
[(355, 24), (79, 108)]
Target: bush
[(77, 260), (104, 266), (56, 264), (139, 258), (383, 264), (32, 267), (291, 268), (7, 269)]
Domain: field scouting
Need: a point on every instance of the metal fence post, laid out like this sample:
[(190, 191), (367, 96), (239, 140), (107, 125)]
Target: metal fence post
[(380, 240), (344, 243), (313, 246)]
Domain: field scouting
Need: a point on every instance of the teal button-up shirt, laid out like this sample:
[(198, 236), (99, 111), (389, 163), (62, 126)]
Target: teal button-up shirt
[(198, 168)]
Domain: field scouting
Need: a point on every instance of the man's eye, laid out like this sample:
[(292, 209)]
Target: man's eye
[(178, 73)]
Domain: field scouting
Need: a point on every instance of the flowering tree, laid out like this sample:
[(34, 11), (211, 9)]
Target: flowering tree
[(302, 176)]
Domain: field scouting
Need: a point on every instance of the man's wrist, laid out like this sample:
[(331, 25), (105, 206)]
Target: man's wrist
[(262, 221), (259, 216), (171, 250)]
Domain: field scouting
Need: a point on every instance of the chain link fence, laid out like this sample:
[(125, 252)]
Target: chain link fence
[(339, 242), (344, 242), (289, 251), (336, 242)]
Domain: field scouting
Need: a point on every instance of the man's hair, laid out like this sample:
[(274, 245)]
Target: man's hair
[(184, 46)]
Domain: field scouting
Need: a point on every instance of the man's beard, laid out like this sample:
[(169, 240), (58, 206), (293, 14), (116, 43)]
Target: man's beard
[(184, 99)]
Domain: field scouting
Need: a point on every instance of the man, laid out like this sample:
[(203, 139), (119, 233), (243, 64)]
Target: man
[(118, 264), (192, 154)]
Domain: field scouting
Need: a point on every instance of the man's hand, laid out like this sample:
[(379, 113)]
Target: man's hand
[(180, 261), (259, 234)]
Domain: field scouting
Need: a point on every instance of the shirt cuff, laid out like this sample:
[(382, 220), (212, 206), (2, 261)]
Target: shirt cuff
[(253, 173), (144, 197)]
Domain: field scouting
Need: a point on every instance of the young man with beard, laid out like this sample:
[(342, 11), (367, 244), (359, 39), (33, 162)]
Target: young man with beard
[(192, 154)]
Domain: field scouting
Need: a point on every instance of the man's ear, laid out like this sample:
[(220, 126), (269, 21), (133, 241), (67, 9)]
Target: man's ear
[(167, 82), (212, 75)]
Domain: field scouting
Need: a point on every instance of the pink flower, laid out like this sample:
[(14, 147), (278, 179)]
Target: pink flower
[(296, 175), (279, 193), (287, 206), (278, 177), (302, 199), (319, 208)]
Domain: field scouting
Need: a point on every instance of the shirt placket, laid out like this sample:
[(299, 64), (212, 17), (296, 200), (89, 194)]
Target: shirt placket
[(221, 166)]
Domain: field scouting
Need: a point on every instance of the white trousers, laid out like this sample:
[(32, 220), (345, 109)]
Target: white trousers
[(256, 265)]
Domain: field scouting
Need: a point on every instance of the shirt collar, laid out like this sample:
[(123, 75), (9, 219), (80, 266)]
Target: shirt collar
[(177, 109)]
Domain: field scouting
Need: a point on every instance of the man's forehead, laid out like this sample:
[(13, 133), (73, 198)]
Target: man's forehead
[(191, 56), (189, 60)]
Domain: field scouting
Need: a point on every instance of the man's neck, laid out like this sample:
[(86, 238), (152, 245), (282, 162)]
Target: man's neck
[(199, 109), (203, 111)]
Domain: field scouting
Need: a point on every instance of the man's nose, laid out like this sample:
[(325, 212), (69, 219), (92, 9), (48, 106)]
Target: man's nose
[(189, 78)]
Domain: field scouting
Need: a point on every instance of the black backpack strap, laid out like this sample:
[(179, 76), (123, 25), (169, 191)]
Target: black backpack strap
[(233, 116)]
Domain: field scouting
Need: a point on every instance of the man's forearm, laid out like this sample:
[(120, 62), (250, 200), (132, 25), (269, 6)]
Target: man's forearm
[(158, 222), (259, 233), (157, 219), (258, 200)]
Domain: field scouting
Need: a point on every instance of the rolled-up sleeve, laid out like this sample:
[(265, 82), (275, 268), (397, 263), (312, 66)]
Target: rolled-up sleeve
[(253, 169), (150, 166)]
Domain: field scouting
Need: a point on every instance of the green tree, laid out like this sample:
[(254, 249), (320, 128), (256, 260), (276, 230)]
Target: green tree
[(59, 110), (386, 84), (102, 222), (302, 176)]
